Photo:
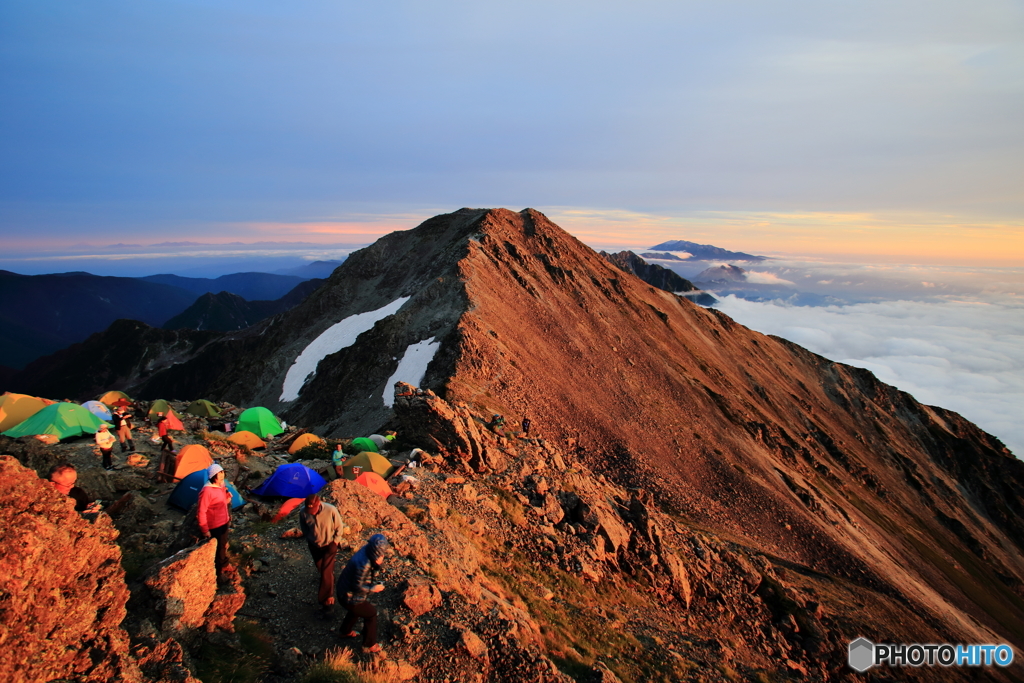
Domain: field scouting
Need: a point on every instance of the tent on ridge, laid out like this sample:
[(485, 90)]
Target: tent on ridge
[(98, 409), (260, 422), (364, 444), (375, 483), (62, 420), (186, 493), (16, 408), (162, 406), (304, 440), (367, 462), (111, 397), (203, 408), (293, 480), (247, 439), (191, 459)]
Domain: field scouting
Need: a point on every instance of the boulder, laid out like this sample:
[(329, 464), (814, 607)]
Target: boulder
[(420, 595), (62, 588), (185, 585), (471, 643)]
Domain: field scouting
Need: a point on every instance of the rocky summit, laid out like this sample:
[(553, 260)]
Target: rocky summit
[(693, 500)]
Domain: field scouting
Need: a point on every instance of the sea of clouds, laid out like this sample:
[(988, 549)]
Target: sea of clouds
[(955, 340)]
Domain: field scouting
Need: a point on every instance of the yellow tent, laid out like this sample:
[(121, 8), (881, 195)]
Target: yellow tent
[(247, 439), (111, 396), (16, 408), (367, 462), (302, 441)]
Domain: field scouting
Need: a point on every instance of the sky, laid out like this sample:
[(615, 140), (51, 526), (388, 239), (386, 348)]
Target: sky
[(861, 130), (873, 149)]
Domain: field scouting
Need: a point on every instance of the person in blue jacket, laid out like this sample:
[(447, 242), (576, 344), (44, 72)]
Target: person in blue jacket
[(354, 586)]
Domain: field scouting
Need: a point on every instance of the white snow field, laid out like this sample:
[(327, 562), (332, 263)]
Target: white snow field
[(412, 367), (333, 339)]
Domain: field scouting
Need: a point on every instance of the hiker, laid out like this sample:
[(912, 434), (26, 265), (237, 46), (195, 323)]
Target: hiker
[(526, 426), (162, 428), (63, 478), (497, 424), (382, 440), (105, 440), (354, 587), (323, 529), (214, 515), (338, 457), (123, 425)]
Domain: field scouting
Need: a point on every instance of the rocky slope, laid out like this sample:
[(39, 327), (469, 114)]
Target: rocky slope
[(883, 510)]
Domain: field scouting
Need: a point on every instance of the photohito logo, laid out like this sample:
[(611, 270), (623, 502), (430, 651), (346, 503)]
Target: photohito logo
[(864, 654)]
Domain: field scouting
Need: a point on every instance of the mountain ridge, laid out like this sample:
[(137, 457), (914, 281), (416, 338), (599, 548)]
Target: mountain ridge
[(786, 452)]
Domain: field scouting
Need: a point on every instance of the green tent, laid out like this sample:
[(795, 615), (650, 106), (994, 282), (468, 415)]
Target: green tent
[(62, 420), (363, 444), (260, 422), (203, 408)]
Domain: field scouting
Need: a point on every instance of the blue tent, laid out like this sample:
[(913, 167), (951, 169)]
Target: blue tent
[(186, 493), (97, 409), (293, 480)]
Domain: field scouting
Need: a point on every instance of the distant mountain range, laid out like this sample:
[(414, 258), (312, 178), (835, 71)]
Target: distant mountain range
[(658, 276), (41, 314), (705, 252)]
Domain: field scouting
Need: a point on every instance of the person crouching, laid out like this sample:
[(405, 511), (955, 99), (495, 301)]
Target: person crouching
[(354, 587), (214, 515)]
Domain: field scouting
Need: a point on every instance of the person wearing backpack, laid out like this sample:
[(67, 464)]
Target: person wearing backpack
[(355, 584)]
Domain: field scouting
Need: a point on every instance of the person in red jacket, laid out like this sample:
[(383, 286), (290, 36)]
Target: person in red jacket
[(162, 425), (214, 514)]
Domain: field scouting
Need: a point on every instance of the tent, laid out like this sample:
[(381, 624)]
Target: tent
[(375, 483), (98, 409), (293, 480), (247, 439), (203, 408), (16, 408), (364, 444), (186, 493), (367, 462), (62, 420), (260, 422), (304, 440), (190, 459), (162, 406), (111, 397)]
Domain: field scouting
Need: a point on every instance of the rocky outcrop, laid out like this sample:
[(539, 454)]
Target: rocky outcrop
[(188, 599), (62, 589), (658, 276)]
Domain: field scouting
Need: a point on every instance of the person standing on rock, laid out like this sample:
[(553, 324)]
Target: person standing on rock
[(354, 587), (105, 440), (323, 529), (214, 514), (123, 425)]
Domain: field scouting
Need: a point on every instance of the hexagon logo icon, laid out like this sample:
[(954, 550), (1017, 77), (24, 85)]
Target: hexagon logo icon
[(862, 654)]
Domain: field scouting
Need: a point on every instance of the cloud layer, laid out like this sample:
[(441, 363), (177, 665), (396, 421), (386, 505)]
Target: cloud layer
[(963, 355)]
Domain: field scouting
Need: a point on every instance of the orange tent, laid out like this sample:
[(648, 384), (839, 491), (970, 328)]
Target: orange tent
[(247, 439), (375, 483), (16, 408), (302, 441), (111, 397), (191, 459)]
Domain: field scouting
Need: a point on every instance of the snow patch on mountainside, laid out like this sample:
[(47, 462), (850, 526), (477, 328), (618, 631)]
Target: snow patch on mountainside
[(333, 339), (412, 367)]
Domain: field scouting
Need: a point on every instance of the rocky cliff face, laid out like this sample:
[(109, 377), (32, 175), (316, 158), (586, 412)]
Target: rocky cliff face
[(783, 453), (62, 589)]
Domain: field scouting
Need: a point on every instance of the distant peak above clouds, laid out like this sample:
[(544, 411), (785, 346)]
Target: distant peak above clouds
[(706, 252)]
